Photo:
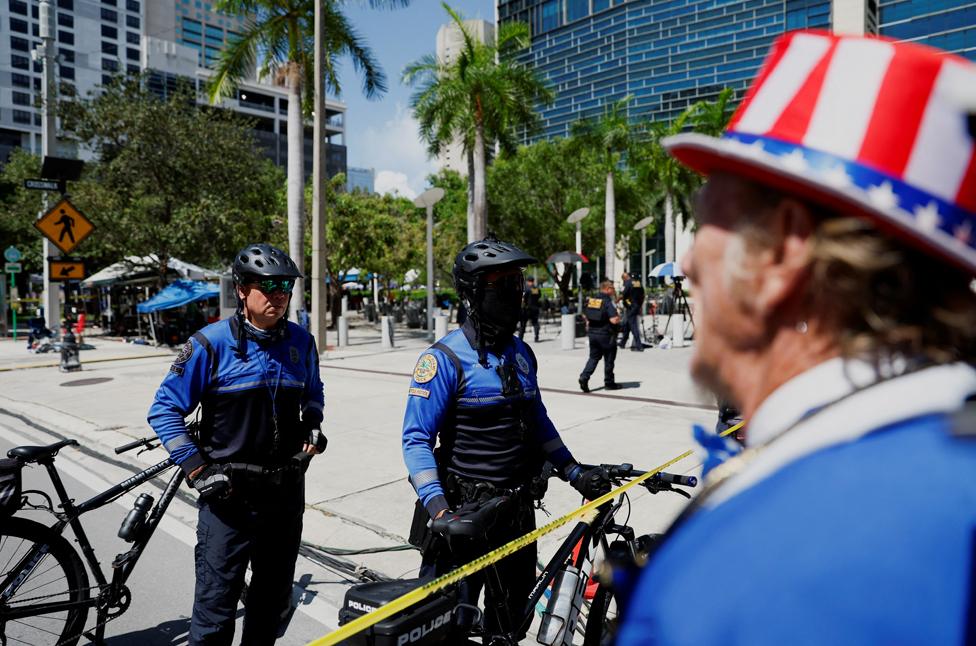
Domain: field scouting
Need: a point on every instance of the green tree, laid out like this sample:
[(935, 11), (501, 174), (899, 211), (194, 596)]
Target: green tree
[(480, 97), (613, 136), (19, 208), (169, 177), (281, 32)]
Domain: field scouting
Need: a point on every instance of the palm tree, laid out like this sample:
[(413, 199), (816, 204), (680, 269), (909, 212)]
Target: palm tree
[(480, 97), (281, 32), (613, 135)]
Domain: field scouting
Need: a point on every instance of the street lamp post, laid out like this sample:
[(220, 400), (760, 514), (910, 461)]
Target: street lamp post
[(427, 200), (576, 217), (642, 227)]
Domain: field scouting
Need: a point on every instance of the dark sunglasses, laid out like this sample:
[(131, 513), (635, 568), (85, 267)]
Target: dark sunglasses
[(271, 286), (511, 282)]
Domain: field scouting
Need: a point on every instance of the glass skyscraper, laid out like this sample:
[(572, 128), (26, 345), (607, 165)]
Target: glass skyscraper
[(667, 54), (946, 24)]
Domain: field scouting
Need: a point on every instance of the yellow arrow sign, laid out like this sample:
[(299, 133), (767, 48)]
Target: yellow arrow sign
[(67, 270), (65, 226)]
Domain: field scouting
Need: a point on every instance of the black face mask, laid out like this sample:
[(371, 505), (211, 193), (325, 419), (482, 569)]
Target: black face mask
[(501, 307)]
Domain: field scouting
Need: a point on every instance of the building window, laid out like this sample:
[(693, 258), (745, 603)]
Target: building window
[(37, 84), (21, 98), (19, 44), (20, 80), (132, 69), (110, 64), (132, 5), (132, 21), (18, 7), (109, 32), (66, 37), (67, 4), (67, 55), (19, 62), (110, 48), (22, 116), (18, 25), (131, 38), (600, 5), (67, 72), (109, 15), (192, 27), (106, 79), (66, 19), (132, 54), (111, 3)]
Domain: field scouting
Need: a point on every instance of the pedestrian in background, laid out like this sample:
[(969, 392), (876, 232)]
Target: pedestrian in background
[(832, 267), (256, 379), (632, 298), (602, 325), (530, 308)]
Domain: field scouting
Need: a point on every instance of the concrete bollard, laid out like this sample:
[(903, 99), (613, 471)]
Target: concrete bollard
[(343, 331), (440, 327), (386, 332), (70, 360), (678, 331), (345, 306), (567, 332)]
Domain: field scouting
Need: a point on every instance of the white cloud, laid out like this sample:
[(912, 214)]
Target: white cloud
[(390, 181), (396, 152)]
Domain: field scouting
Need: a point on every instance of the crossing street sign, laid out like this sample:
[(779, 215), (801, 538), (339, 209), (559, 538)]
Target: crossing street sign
[(67, 270), (12, 267), (42, 184), (65, 226)]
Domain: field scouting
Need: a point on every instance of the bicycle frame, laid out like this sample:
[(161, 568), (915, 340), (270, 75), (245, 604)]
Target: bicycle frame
[(123, 564)]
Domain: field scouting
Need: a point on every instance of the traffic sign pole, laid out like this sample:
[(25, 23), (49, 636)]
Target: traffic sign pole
[(13, 310)]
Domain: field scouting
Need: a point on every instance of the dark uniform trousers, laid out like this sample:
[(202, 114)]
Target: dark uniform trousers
[(602, 346), (632, 328), (532, 315), (517, 571), (263, 527)]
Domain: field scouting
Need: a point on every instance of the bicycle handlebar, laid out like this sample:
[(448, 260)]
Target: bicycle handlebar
[(627, 470), (146, 442)]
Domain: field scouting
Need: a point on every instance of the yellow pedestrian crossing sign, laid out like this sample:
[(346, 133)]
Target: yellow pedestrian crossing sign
[(65, 226)]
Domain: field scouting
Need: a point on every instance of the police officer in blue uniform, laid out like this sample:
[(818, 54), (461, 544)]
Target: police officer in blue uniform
[(633, 302), (602, 320), (475, 392), (530, 308), (256, 378)]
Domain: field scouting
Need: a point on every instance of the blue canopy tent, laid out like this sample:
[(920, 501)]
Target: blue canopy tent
[(179, 293)]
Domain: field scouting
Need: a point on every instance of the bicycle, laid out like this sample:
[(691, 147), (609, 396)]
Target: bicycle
[(568, 572), (44, 579)]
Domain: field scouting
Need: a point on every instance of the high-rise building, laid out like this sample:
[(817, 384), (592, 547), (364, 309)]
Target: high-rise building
[(99, 38), (946, 24), (665, 55), (361, 179), (449, 43)]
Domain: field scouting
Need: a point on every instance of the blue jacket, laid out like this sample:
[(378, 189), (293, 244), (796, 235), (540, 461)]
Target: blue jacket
[(491, 436), (867, 542), (256, 408)]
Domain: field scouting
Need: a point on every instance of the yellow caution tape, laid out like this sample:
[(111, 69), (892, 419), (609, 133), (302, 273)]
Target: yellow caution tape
[(586, 513)]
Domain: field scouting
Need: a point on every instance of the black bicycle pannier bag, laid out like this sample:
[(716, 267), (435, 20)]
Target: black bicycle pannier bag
[(426, 622), (10, 492)]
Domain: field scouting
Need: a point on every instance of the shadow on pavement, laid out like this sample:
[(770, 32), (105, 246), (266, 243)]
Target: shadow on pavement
[(168, 633)]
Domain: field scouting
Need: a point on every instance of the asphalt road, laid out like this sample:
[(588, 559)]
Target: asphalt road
[(162, 583)]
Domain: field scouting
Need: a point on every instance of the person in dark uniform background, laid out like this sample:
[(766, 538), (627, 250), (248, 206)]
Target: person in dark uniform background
[(256, 377), (633, 301), (602, 321), (530, 308), (475, 393)]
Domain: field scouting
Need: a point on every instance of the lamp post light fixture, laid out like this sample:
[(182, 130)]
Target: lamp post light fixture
[(427, 200), (576, 217)]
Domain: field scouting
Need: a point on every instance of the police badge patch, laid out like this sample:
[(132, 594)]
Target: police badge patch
[(185, 353), (426, 369), (523, 363)]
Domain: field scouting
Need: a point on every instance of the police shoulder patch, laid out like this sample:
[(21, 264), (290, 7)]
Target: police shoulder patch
[(420, 392), (426, 369), (522, 362), (185, 353)]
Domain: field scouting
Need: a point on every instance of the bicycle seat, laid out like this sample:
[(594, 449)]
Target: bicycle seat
[(470, 523), (29, 454)]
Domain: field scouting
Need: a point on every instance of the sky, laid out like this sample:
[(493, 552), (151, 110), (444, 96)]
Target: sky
[(382, 133)]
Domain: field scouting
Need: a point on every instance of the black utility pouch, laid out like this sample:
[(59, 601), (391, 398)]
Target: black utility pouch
[(420, 533)]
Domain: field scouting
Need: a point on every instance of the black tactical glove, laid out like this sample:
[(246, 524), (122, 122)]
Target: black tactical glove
[(211, 482), (317, 439), (592, 483)]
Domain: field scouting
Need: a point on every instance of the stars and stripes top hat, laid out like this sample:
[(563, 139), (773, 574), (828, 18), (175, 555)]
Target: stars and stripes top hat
[(867, 126)]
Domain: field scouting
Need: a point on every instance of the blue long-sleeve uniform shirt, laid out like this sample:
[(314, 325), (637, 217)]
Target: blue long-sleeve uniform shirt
[(492, 435), (257, 408)]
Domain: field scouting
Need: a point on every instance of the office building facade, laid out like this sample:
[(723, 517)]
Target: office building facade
[(361, 179), (946, 24)]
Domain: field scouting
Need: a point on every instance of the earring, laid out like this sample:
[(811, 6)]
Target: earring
[(801, 327)]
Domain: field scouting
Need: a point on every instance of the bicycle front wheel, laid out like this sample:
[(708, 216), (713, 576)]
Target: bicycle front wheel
[(29, 579), (601, 623)]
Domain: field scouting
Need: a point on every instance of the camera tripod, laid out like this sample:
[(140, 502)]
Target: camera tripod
[(679, 304)]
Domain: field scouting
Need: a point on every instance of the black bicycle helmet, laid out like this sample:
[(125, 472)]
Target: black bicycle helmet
[(484, 256), (260, 261)]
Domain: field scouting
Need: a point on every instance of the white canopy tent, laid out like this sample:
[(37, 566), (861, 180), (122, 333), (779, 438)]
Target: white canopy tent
[(133, 266)]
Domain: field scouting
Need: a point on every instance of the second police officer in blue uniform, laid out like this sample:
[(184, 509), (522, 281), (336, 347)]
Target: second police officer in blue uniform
[(256, 377), (476, 392), (602, 321)]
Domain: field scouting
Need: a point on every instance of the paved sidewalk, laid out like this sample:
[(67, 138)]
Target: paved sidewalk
[(357, 493)]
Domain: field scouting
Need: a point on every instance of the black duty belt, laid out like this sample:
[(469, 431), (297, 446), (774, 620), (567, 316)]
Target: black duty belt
[(479, 490)]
